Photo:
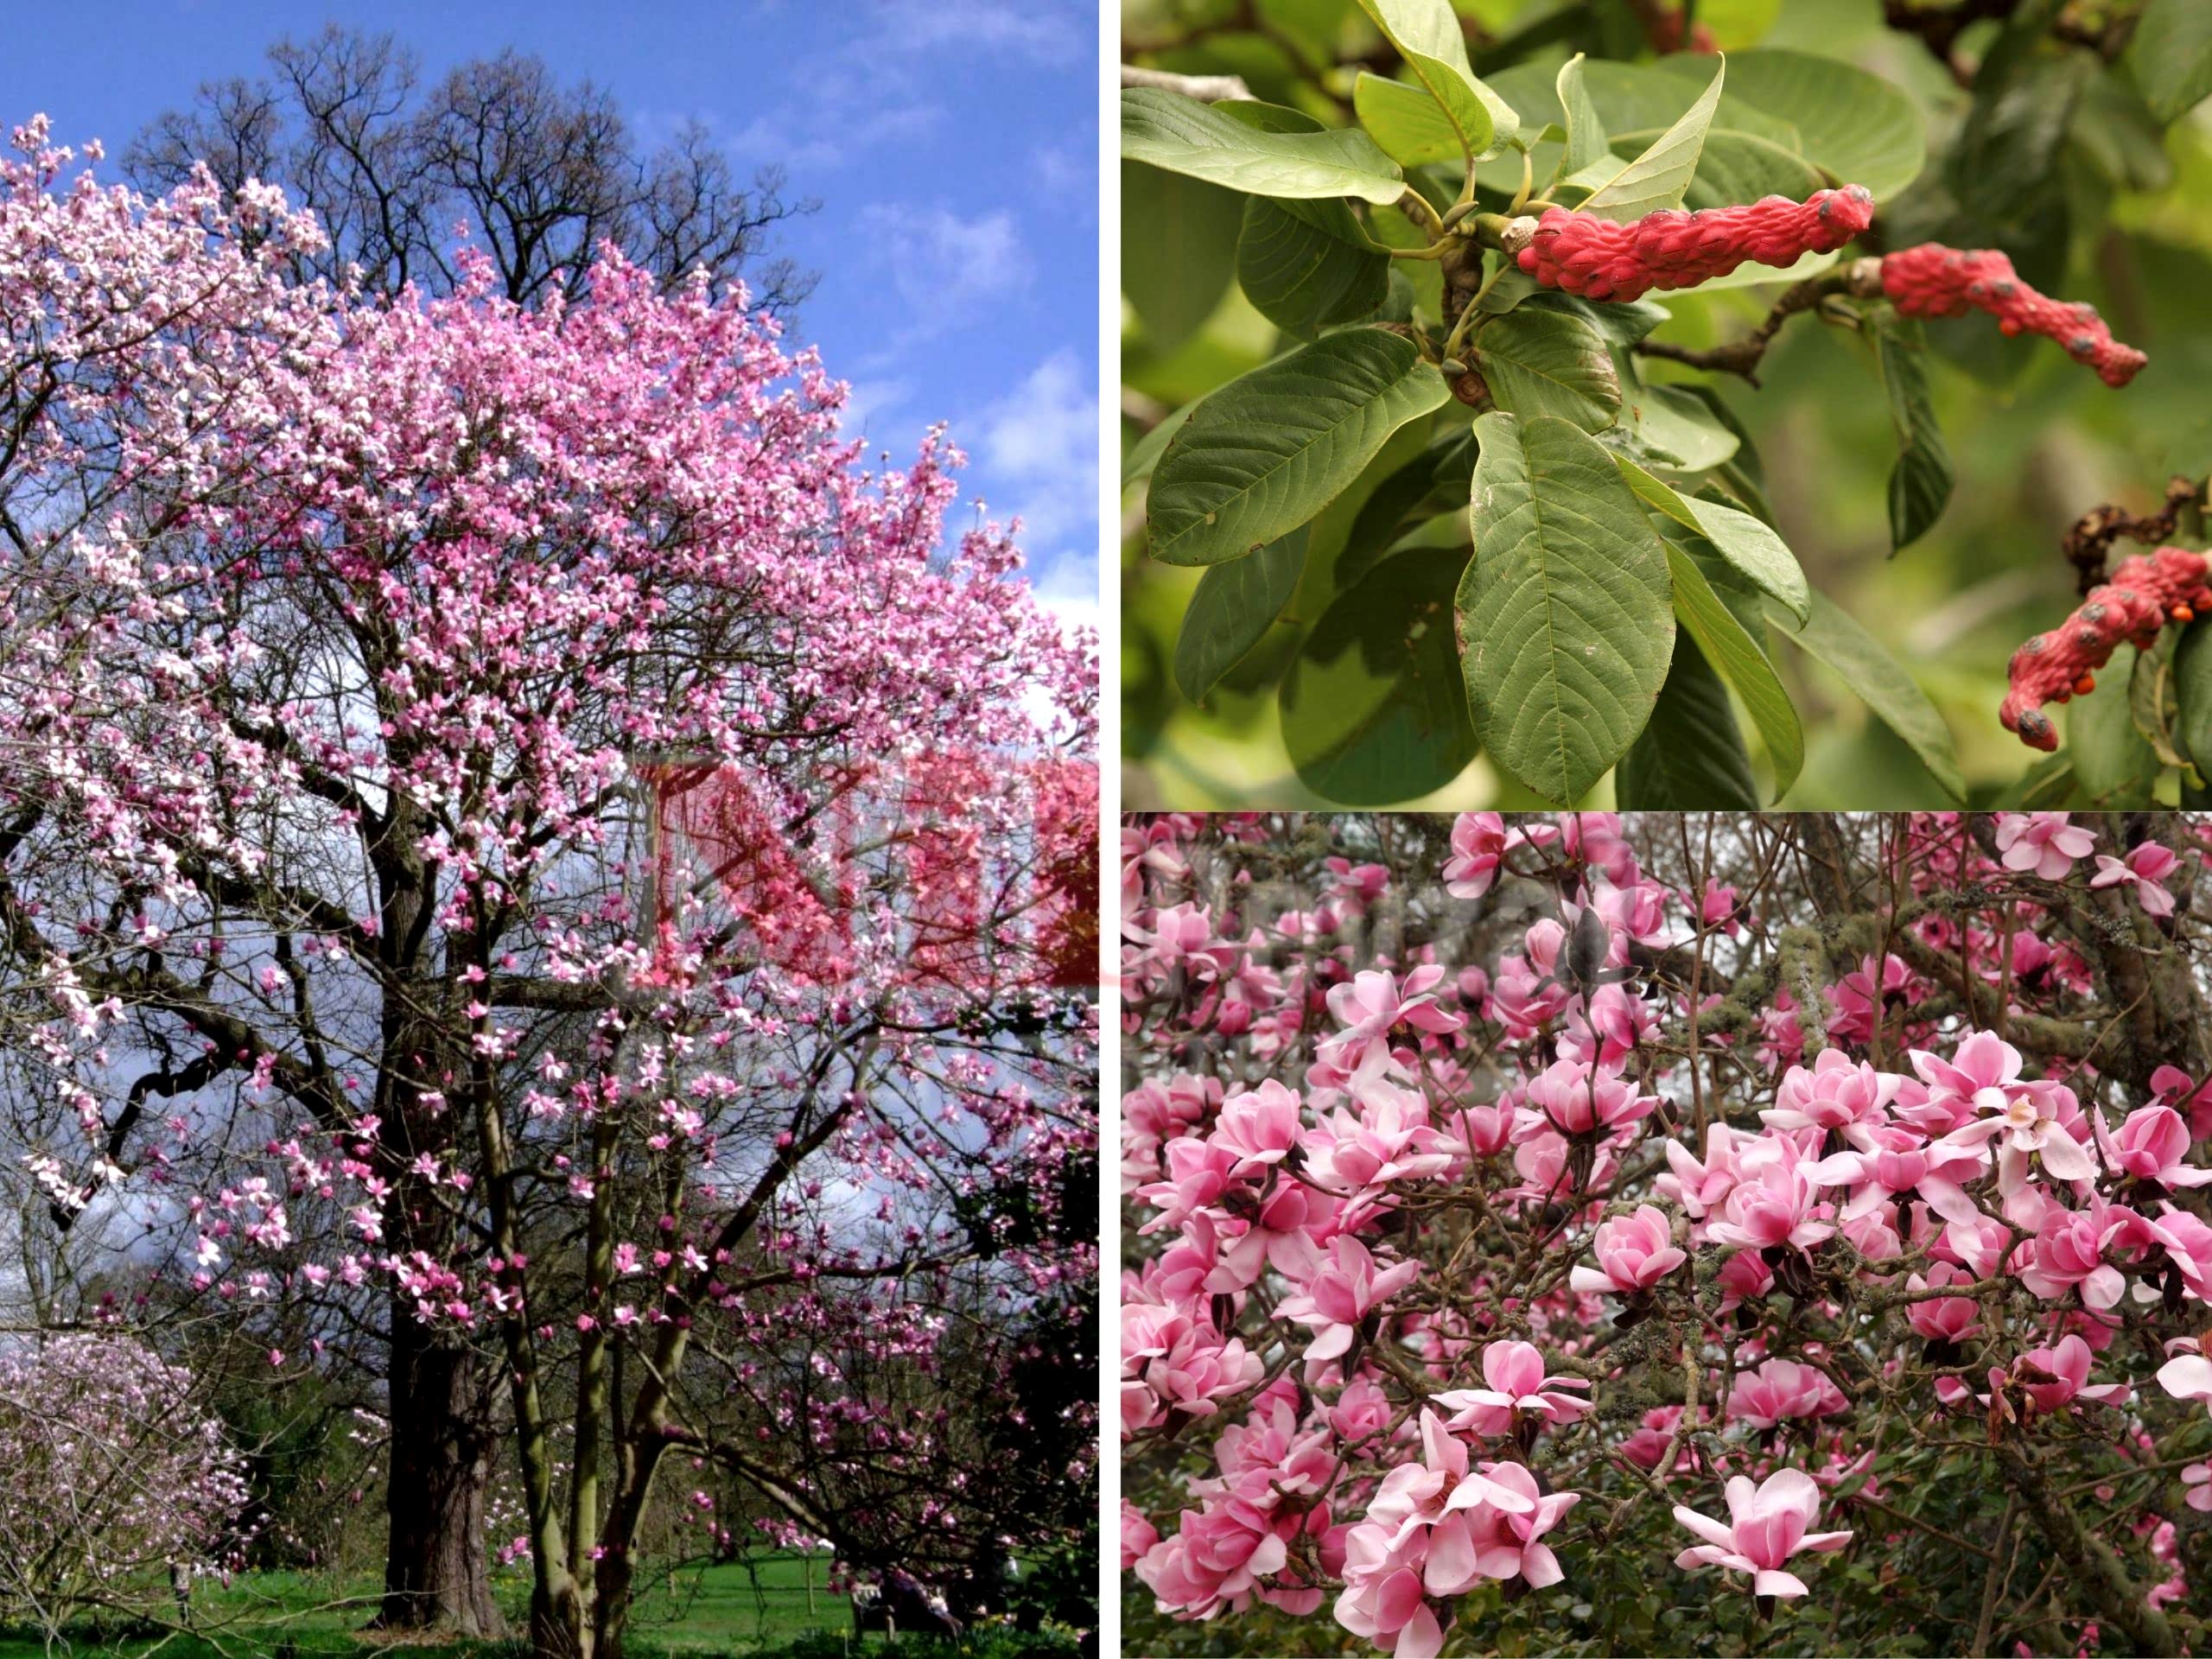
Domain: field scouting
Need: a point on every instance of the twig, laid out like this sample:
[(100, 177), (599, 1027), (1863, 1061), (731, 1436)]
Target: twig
[(1999, 1570), (1207, 89), (2088, 544), (1742, 356)]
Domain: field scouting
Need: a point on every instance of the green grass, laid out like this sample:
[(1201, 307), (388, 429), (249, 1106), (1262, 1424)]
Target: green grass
[(725, 1609)]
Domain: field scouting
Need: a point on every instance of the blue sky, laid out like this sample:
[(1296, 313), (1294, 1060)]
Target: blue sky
[(952, 144)]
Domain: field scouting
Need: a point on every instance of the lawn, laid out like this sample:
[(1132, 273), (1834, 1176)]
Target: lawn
[(727, 1608)]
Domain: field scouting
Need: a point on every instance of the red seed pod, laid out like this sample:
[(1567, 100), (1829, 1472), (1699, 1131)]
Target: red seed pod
[(1601, 260), (1934, 281), (2144, 592)]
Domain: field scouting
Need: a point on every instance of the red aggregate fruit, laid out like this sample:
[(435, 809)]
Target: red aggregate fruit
[(1601, 260), (2144, 592), (1934, 281)]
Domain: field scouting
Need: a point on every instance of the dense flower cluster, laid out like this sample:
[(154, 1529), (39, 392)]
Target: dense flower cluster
[(1600, 259), (2145, 594), (1934, 281), (1436, 1202)]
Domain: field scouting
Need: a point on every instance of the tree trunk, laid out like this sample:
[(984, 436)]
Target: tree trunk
[(436, 1572)]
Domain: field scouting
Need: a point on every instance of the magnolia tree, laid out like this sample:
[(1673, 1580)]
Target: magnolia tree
[(1666, 1235), (1480, 491), (117, 1485), (483, 865)]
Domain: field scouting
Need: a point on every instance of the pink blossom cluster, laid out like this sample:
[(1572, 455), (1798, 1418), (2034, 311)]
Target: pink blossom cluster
[(1414, 1154)]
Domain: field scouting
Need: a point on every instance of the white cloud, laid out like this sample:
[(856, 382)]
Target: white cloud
[(1069, 173), (866, 401), (1041, 441), (1048, 32), (944, 265)]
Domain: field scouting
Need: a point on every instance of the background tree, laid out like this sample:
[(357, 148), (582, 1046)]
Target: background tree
[(542, 173), (355, 960)]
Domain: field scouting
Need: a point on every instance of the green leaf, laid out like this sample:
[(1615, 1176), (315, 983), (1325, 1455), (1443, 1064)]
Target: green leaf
[(1179, 249), (1737, 658), (2004, 162), (1742, 167), (1674, 422), (1304, 265), (2154, 707), (1658, 178), (1762, 557), (1144, 455), (2048, 785), (1857, 127), (1372, 707), (1234, 606), (1920, 482), (1427, 35), (1185, 136), (1410, 126), (2113, 765), (1565, 623), (1434, 481), (1538, 361), (1264, 453), (2193, 689), (1691, 757), (2169, 57), (1834, 637), (1586, 133)]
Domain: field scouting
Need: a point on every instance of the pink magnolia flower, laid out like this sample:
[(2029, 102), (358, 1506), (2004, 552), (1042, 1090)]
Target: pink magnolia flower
[(1343, 1293), (1886, 1160), (2151, 1146), (1287, 1233), (1767, 1524), (2176, 1089), (1634, 1253), (1614, 1025), (1862, 998), (2022, 1118), (1517, 1387), (1976, 1078), (2147, 866), (1834, 1093), (1944, 1319), (1378, 1015), (1578, 1099), (1217, 1557), (1138, 1534), (1383, 1599), (2043, 843), (1259, 1127), (1479, 843), (1777, 1203), (1171, 1362), (1716, 909), (1701, 1185), (2188, 1377), (2053, 1378), (1433, 1529), (1783, 1388), (2068, 1249), (2198, 1477), (1387, 1140), (1498, 1538)]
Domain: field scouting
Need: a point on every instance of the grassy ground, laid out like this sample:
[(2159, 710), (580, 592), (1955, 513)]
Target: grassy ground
[(720, 1610)]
